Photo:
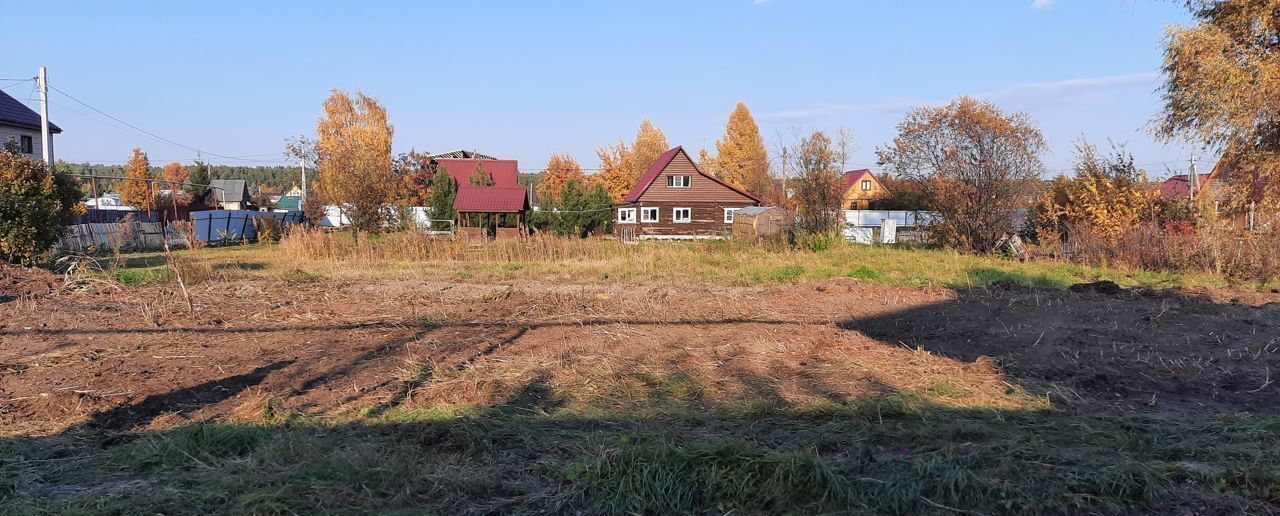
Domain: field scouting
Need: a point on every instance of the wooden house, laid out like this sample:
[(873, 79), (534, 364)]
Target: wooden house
[(230, 194), (860, 188), (676, 200), (756, 222)]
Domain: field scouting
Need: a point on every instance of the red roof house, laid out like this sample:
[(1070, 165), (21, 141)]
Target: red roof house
[(675, 199)]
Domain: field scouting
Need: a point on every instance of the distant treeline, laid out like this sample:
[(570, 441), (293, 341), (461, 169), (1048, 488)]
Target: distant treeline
[(271, 178)]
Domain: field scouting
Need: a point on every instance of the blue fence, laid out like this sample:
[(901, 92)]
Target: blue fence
[(222, 226)]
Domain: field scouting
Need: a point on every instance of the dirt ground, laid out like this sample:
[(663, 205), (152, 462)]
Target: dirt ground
[(112, 358)]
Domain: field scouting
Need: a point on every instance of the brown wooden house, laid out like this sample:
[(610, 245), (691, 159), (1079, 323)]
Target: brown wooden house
[(676, 200), (860, 188)]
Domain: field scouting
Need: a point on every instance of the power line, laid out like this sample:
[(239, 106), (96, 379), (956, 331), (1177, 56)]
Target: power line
[(146, 132)]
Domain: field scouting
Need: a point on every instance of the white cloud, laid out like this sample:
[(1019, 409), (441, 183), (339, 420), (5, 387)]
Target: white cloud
[(1042, 4), (1065, 92)]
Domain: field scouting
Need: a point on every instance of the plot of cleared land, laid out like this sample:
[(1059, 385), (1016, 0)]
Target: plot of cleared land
[(292, 392)]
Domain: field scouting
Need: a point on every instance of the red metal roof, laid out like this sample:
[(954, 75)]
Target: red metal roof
[(1177, 187), (504, 171), (661, 163), (852, 177), (490, 199)]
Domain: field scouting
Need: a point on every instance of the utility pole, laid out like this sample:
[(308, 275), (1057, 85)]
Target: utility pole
[(46, 140), (786, 193), (1193, 179), (302, 160)]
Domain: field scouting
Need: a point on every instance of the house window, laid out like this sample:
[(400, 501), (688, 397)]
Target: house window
[(677, 181), (728, 215), (682, 215), (26, 145), (866, 185), (626, 215), (649, 214)]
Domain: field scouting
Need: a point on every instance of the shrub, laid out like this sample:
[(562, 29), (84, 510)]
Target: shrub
[(37, 204)]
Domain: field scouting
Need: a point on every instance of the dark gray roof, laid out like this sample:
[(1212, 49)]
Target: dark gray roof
[(13, 112), (756, 210), (461, 154), (235, 190)]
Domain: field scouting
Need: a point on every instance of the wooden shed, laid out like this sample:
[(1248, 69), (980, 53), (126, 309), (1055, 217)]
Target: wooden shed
[(756, 222)]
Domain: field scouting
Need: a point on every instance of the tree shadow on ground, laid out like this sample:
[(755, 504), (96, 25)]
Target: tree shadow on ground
[(536, 451), (1109, 348)]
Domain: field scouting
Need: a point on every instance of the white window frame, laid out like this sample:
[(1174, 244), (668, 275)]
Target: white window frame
[(686, 180), (630, 219), (647, 210), (866, 185), (728, 215), (675, 218)]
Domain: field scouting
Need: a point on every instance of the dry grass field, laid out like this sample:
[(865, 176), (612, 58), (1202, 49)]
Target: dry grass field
[(406, 376)]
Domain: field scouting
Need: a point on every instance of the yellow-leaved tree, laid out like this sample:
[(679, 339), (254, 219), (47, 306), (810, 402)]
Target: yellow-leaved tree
[(136, 189), (1109, 193), (1222, 88), (561, 168), (621, 166), (353, 151), (742, 160)]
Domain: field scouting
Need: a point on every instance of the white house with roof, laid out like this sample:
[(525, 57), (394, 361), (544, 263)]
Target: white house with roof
[(20, 127)]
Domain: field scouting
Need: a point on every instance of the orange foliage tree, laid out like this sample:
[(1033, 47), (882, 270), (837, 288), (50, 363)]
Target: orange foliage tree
[(561, 168), (353, 149), (136, 190), (741, 159), (621, 166), (174, 175), (975, 164)]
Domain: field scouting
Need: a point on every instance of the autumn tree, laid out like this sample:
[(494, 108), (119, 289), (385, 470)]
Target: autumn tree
[(1107, 196), (741, 159), (561, 168), (37, 205), (621, 166), (136, 189), (975, 165), (353, 149), (818, 162), (414, 171), (175, 175), (1222, 88)]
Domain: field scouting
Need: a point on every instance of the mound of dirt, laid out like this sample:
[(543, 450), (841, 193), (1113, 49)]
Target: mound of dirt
[(18, 282), (1104, 287)]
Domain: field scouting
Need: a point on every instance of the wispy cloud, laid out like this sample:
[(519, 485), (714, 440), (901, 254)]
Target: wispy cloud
[(1070, 91), (1042, 4)]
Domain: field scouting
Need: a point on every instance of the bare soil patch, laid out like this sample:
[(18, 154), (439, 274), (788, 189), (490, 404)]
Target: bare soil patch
[(17, 282), (106, 360)]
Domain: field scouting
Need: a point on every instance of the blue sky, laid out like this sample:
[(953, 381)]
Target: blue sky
[(525, 79)]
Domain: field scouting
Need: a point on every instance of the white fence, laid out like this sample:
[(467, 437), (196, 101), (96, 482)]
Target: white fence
[(868, 226)]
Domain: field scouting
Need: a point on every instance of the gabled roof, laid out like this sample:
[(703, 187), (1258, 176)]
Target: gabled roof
[(490, 199), (234, 190), (505, 172), (852, 177), (657, 167), (18, 114)]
